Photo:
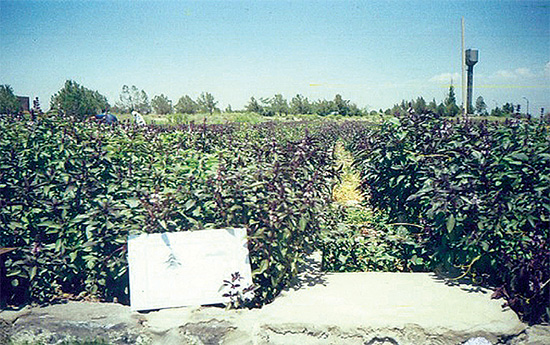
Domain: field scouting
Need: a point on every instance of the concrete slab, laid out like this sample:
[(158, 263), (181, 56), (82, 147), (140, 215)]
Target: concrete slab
[(337, 308), (381, 299)]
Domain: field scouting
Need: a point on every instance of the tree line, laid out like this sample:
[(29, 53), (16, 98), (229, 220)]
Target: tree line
[(133, 99), (78, 101)]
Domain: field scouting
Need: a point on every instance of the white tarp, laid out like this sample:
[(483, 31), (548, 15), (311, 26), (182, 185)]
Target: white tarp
[(185, 268)]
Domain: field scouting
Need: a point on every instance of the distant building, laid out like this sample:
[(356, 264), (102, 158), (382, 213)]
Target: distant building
[(24, 103)]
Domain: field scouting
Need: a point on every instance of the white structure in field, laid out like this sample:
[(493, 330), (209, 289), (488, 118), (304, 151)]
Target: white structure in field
[(138, 119), (185, 268)]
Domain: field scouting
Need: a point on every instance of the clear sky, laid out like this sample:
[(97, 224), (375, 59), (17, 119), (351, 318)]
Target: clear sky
[(375, 53)]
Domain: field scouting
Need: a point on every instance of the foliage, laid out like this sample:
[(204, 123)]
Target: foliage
[(300, 105), (323, 107), (133, 99), (36, 107), (206, 102), (186, 105), (365, 241), (507, 110), (279, 104), (344, 107), (78, 101), (238, 295), (480, 192), (450, 103), (8, 101), (161, 104), (71, 192), (446, 108), (253, 106), (481, 106)]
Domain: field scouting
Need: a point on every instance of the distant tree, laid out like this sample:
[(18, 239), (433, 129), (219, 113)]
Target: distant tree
[(9, 104), (441, 110), (340, 105), (143, 105), (228, 109), (398, 109), (131, 98), (481, 107), (419, 106), (300, 105), (206, 102), (279, 104), (161, 104), (267, 107), (508, 109), (450, 103), (432, 106), (36, 110), (323, 107), (355, 111), (253, 106), (186, 105), (497, 112), (78, 101)]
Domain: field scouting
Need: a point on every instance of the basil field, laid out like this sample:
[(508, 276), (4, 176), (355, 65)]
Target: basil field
[(469, 200)]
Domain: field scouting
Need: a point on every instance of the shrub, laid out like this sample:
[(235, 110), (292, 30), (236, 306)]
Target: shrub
[(71, 192), (481, 192)]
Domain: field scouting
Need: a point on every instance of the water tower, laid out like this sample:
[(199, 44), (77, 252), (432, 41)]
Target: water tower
[(471, 60)]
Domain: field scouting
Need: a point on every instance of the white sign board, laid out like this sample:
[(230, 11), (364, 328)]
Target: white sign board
[(185, 268)]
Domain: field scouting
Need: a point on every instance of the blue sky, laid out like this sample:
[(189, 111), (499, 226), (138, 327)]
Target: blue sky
[(375, 53)]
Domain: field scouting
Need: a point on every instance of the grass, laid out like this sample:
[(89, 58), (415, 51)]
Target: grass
[(240, 117), (363, 239), (347, 191)]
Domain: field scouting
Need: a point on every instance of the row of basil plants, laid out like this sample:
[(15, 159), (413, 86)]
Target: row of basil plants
[(478, 193), (71, 192)]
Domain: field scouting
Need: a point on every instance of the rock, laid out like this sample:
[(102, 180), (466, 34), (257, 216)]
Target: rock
[(318, 308), (478, 341)]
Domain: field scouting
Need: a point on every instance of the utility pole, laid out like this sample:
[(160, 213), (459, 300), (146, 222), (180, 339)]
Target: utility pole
[(463, 57)]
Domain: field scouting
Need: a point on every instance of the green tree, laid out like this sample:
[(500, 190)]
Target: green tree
[(323, 107), (300, 105), (432, 106), (78, 101), (340, 105), (441, 110), (355, 111), (481, 106), (419, 106), (143, 103), (186, 105), (131, 98), (9, 104), (397, 110), (161, 104), (508, 109), (254, 106), (450, 103), (267, 107), (206, 102), (279, 104), (497, 112)]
